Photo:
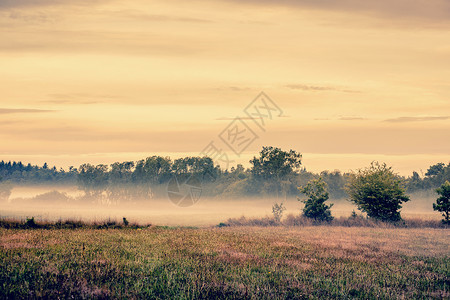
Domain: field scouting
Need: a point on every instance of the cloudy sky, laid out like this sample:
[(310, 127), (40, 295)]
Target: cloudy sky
[(104, 80)]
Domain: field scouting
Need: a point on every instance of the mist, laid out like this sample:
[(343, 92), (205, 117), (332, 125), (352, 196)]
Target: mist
[(62, 202)]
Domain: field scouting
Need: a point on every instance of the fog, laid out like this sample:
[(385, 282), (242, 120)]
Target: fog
[(44, 203)]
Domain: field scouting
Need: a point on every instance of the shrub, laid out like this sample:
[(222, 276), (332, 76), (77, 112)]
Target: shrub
[(443, 202), (31, 223), (378, 192), (277, 211), (315, 207)]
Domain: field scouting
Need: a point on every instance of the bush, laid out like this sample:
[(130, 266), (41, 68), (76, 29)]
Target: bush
[(277, 211), (315, 207), (378, 192), (31, 223), (443, 202)]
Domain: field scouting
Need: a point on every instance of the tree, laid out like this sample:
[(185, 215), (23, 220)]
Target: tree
[(415, 182), (274, 162), (119, 188), (377, 191), (443, 202), (437, 175), (238, 173), (435, 169), (201, 167), (315, 207), (93, 179), (275, 165), (120, 173), (335, 183)]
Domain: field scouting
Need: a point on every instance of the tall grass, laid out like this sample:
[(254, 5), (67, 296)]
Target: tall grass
[(31, 223), (352, 221), (289, 220)]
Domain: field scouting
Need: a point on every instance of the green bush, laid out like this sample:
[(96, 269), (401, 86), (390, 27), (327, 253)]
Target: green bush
[(378, 192), (315, 207), (443, 202)]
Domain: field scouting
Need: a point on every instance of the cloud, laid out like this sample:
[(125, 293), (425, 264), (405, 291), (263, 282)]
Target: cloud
[(6, 4), (136, 15), (417, 119), (351, 118), (75, 41), (317, 88), (25, 16), (232, 119), (430, 10), (305, 87), (233, 88), (23, 110), (78, 98), (343, 118), (33, 17), (62, 101)]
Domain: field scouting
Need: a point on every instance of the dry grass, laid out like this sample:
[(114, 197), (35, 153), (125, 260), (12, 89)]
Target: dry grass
[(358, 221), (12, 223)]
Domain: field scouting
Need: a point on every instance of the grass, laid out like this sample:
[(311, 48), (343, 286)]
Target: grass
[(352, 221), (229, 262), (30, 223)]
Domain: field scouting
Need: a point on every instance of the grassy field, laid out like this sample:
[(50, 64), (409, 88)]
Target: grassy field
[(229, 262)]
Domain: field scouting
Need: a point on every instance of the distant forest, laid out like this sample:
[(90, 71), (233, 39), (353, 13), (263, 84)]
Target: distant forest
[(273, 173)]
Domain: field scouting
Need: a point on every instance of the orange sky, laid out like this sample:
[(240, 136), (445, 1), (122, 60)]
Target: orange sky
[(100, 81)]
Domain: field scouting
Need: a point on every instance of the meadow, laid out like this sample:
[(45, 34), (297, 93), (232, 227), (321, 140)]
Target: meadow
[(245, 262)]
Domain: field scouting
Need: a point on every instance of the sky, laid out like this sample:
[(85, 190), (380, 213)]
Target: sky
[(102, 80)]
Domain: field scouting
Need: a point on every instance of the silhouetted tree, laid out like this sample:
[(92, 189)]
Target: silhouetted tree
[(203, 167), (435, 170), (120, 173), (93, 179), (275, 165)]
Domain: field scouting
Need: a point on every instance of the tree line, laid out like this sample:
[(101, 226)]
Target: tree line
[(273, 172), (17, 172)]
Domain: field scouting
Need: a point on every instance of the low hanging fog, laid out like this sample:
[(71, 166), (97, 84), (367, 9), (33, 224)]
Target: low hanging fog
[(52, 203)]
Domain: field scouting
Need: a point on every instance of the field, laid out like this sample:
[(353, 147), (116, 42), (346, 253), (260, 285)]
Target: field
[(228, 262)]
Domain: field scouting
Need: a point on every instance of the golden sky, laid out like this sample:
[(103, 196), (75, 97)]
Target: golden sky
[(101, 81)]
